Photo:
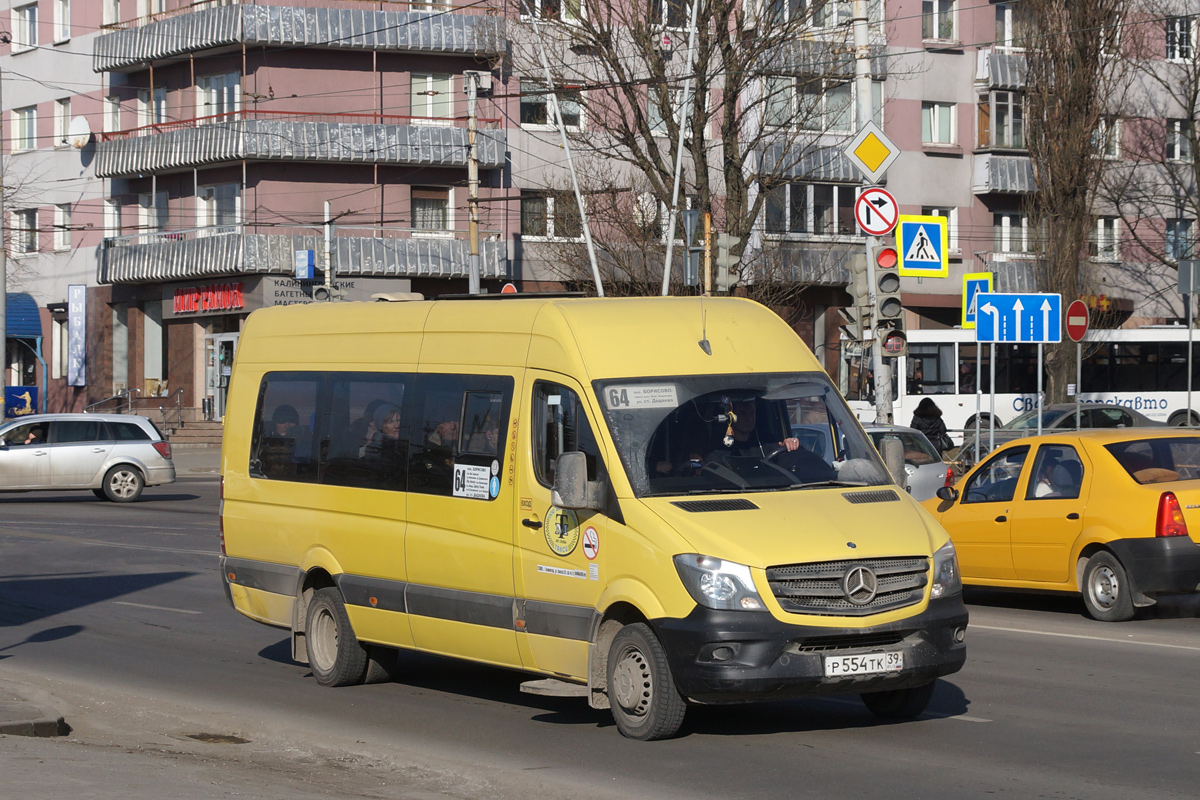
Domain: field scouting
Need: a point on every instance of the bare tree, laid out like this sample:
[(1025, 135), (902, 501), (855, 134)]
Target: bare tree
[(1074, 86), (771, 97)]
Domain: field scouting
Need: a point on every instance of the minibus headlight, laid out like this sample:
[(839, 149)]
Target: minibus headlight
[(717, 584), (946, 580)]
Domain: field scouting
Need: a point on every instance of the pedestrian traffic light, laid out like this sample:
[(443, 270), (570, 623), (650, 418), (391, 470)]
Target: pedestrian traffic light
[(726, 260), (858, 314), (889, 310)]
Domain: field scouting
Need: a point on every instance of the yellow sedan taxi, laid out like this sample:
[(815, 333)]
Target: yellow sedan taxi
[(1105, 513)]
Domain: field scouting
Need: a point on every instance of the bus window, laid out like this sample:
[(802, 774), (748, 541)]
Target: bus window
[(857, 380), (931, 369), (968, 365)]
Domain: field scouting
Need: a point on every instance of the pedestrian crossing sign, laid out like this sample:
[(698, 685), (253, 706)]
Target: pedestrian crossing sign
[(923, 245)]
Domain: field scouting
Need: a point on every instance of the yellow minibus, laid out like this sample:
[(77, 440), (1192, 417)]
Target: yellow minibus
[(648, 502)]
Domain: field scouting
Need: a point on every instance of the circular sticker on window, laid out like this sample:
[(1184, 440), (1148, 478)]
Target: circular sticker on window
[(495, 467), (494, 486), (562, 530)]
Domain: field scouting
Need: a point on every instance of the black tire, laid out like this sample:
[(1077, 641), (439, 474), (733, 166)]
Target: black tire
[(100, 493), (1180, 419), (1107, 594), (123, 484), (334, 654), (641, 692), (899, 703)]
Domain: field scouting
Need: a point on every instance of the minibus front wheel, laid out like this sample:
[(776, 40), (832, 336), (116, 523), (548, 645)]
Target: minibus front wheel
[(641, 692), (334, 654)]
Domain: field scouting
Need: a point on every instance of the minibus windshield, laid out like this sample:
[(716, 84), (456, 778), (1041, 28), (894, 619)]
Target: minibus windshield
[(713, 434)]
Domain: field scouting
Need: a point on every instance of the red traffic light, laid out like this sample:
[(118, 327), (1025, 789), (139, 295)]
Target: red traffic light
[(886, 258)]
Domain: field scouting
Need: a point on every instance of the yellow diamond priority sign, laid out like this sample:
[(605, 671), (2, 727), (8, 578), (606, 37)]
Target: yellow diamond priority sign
[(871, 151)]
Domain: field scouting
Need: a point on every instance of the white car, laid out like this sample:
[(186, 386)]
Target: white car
[(114, 455)]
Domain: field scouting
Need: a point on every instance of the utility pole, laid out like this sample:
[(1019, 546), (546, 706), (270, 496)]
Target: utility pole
[(472, 87), (328, 247), (3, 278), (708, 252), (862, 91)]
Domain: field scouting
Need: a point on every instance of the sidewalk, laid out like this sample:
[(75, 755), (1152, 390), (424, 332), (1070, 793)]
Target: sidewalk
[(196, 461)]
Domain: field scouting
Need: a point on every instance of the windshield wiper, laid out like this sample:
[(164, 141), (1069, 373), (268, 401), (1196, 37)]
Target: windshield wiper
[(816, 484)]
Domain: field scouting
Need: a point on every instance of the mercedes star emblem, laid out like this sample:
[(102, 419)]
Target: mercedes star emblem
[(860, 586)]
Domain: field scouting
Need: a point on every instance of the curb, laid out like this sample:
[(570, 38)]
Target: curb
[(20, 718)]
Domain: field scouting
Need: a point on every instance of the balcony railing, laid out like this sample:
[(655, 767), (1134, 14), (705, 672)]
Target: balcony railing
[(1002, 174), (366, 251), (296, 136), (383, 26)]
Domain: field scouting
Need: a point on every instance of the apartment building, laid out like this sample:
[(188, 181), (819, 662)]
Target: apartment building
[(221, 146)]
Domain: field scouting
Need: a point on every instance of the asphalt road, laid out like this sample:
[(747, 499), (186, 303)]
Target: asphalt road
[(118, 612)]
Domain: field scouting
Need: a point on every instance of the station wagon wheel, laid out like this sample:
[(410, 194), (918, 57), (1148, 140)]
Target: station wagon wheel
[(641, 692), (334, 653), (123, 484), (1106, 590), (899, 703)]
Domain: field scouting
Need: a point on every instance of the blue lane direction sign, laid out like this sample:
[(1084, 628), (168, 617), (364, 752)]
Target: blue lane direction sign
[(923, 244), (974, 284), (1018, 318)]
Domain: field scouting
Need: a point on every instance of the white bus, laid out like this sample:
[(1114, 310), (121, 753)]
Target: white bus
[(1144, 369)]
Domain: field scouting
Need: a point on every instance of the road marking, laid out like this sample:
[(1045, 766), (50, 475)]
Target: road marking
[(1083, 636), (155, 528), (156, 608), (923, 715), (51, 537)]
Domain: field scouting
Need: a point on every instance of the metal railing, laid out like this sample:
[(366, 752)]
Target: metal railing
[(359, 118), (373, 5), (163, 410), (339, 232), (125, 396)]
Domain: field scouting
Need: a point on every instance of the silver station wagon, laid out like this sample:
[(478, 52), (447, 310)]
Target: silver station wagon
[(114, 455)]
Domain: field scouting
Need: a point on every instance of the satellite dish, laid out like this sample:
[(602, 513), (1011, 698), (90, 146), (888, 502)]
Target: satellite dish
[(79, 133)]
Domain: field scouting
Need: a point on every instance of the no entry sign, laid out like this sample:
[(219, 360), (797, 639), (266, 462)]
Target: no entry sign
[(1077, 320)]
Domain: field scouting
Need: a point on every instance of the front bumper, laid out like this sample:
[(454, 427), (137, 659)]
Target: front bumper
[(1160, 566), (772, 659)]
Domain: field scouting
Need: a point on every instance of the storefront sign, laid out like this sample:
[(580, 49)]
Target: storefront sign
[(76, 334), (20, 400), (220, 298)]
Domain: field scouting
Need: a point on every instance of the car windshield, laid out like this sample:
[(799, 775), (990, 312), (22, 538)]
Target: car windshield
[(1159, 460), (711, 434), (1029, 419), (917, 449)]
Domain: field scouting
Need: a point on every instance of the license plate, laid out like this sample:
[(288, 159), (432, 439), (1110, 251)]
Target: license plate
[(866, 664)]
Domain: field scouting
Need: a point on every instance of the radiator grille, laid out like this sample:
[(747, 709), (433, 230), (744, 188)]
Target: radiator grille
[(880, 496), (698, 506), (824, 644), (816, 588)]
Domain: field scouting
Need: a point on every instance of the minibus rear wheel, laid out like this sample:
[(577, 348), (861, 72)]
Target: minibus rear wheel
[(641, 692), (899, 703), (334, 654)]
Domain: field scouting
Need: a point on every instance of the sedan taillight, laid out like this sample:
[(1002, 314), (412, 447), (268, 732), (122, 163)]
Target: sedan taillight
[(1170, 517), (949, 476), (164, 449)]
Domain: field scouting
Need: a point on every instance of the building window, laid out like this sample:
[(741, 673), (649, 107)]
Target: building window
[(1179, 38), (112, 12), (62, 226), (1106, 240), (938, 123), (951, 215), (25, 23), (552, 215), (24, 231), (25, 128), (62, 20), (1179, 140), (218, 208), (1011, 24), (150, 8), (820, 209), (1180, 242), (669, 13), (810, 103), (1107, 138), (112, 218), (567, 11), (937, 19), (432, 95), (218, 95), (1001, 120), (152, 106), (152, 211), (1010, 233), (112, 114), (658, 120), (821, 13), (538, 109), (430, 209), (62, 122)]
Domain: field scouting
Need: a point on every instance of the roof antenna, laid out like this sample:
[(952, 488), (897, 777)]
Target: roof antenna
[(704, 344)]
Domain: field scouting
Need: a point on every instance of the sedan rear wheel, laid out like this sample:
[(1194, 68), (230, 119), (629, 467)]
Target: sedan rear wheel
[(1106, 590), (123, 484)]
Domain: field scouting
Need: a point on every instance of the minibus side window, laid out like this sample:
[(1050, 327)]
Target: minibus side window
[(455, 417), (366, 444), (284, 429), (561, 426)]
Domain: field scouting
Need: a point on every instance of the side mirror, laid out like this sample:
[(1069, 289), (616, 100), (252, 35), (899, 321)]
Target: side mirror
[(572, 489), (947, 493)]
